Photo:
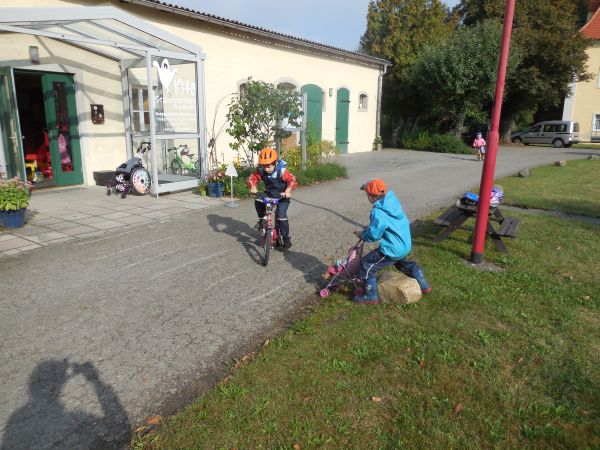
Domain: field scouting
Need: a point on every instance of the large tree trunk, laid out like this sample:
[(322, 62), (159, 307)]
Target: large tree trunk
[(460, 121), (506, 121)]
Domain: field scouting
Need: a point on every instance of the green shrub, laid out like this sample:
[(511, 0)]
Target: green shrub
[(439, 143), (318, 173), (322, 152)]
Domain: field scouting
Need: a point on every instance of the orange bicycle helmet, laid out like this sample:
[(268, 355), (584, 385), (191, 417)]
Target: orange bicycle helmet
[(267, 156)]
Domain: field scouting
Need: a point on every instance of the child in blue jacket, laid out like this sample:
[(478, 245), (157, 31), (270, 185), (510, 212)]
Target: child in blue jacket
[(390, 226)]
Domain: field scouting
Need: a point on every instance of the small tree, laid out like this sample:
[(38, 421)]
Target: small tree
[(258, 116)]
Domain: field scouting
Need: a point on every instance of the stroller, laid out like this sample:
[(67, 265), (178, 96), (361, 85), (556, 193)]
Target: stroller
[(344, 270), (131, 174)]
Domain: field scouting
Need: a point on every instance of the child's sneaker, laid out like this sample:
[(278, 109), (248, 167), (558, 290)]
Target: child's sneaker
[(364, 300), (426, 291)]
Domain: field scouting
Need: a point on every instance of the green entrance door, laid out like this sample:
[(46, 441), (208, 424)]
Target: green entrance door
[(63, 137), (314, 113), (341, 119), (11, 156)]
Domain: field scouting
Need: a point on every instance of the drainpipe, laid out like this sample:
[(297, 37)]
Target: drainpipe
[(379, 93)]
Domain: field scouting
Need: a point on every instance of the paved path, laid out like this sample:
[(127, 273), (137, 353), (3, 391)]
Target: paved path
[(99, 332)]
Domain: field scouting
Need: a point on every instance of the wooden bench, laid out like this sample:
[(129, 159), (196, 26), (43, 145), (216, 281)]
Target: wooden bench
[(456, 215)]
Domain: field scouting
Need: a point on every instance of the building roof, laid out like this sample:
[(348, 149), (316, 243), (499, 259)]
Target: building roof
[(305, 44), (591, 29)]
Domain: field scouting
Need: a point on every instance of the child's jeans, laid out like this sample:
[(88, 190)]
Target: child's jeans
[(412, 269), (280, 213), (374, 261)]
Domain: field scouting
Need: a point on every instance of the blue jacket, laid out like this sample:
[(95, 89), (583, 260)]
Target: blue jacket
[(390, 226)]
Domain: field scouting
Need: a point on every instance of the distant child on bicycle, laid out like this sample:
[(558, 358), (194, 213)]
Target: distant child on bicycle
[(390, 226), (279, 183), (479, 146)]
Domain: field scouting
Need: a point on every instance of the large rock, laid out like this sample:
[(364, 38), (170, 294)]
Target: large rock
[(395, 287), (560, 163), (593, 157)]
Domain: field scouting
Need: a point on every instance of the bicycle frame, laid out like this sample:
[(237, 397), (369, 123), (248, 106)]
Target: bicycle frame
[(270, 234)]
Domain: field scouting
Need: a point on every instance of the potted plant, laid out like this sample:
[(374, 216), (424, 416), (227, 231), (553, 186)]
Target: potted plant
[(377, 143), (14, 199), (215, 185), (202, 189)]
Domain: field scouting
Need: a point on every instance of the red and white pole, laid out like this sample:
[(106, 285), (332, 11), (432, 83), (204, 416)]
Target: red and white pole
[(489, 163)]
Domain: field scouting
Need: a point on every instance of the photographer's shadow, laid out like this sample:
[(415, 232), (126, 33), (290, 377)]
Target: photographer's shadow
[(44, 422), (249, 237)]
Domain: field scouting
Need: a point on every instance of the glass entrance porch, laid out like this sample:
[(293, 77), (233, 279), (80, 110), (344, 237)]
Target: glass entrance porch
[(162, 79)]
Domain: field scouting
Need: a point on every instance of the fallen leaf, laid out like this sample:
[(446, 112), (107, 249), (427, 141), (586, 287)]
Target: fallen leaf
[(155, 420), (266, 342), (139, 430), (377, 399), (520, 360), (422, 363), (408, 350), (297, 447), (559, 248), (458, 408), (568, 275), (586, 297)]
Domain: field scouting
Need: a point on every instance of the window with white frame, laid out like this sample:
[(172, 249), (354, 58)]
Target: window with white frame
[(140, 109), (596, 122), (363, 102)]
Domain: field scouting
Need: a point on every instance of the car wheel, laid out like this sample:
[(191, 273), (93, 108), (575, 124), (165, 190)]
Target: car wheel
[(558, 143), (518, 141)]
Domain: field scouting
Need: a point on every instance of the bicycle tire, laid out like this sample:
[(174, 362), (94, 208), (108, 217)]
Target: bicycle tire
[(266, 247), (141, 180), (176, 167)]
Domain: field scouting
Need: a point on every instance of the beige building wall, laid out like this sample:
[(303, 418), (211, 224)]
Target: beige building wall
[(585, 101), (230, 59)]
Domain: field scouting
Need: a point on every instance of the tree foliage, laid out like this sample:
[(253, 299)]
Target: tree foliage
[(551, 49), (397, 30), (256, 118), (456, 79)]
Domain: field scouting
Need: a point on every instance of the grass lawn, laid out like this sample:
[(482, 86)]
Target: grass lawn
[(508, 359), (573, 189)]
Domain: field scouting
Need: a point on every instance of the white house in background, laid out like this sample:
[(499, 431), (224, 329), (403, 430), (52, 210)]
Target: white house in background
[(83, 83)]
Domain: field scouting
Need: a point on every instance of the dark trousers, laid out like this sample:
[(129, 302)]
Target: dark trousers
[(283, 227), (374, 261)]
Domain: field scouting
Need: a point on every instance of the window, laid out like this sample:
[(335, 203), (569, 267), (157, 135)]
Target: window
[(140, 109), (596, 123), (362, 102), (285, 86), (555, 128), (242, 89)]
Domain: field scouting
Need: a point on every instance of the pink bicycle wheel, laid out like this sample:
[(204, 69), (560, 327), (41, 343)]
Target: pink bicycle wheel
[(324, 293)]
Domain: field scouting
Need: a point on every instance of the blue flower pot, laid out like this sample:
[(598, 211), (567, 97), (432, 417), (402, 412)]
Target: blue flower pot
[(215, 189), (12, 219)]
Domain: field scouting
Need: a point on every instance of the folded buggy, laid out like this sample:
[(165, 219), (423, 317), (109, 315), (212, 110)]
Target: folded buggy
[(344, 271)]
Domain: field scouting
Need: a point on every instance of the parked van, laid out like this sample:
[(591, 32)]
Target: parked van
[(559, 133)]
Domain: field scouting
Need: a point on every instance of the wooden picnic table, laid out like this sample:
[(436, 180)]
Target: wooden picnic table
[(457, 214)]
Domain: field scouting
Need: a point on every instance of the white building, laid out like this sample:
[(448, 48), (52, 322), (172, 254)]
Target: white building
[(76, 79)]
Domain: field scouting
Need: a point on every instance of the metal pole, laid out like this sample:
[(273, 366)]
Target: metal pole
[(489, 164), (154, 188)]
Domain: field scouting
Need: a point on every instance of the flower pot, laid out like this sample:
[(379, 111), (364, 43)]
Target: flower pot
[(12, 219), (215, 189)]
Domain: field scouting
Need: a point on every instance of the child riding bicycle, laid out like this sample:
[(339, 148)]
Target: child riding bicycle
[(279, 182), (479, 146)]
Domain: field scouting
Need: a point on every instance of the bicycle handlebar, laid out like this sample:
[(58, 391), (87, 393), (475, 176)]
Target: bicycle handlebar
[(266, 200)]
